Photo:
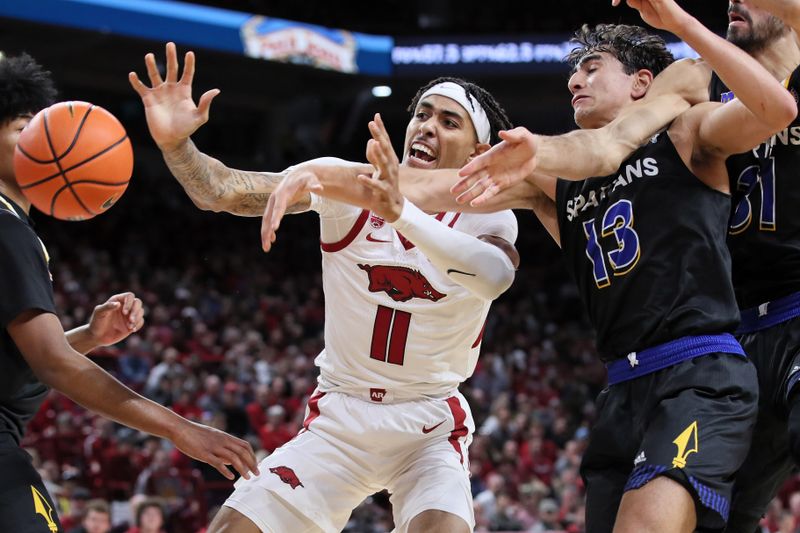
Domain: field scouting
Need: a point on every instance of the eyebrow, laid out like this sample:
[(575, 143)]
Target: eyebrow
[(445, 112), (585, 59)]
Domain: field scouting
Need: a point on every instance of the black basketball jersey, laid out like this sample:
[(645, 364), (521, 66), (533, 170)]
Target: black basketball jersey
[(764, 232), (646, 246), (24, 284)]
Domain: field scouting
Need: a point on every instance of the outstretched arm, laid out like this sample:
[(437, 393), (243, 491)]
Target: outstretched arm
[(743, 74), (172, 117), (338, 180), (40, 338)]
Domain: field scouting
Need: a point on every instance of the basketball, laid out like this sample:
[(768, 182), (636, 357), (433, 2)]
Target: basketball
[(73, 160)]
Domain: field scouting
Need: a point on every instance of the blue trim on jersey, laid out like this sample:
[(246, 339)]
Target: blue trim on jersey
[(769, 314), (649, 360), (711, 498), (641, 475)]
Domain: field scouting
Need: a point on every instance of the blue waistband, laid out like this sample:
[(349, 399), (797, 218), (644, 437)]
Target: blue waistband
[(649, 360), (769, 314)]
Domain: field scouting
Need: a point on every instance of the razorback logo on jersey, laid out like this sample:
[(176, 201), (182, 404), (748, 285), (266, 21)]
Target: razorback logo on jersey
[(287, 475), (400, 283)]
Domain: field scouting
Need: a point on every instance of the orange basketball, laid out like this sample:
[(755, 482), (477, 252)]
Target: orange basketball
[(73, 160)]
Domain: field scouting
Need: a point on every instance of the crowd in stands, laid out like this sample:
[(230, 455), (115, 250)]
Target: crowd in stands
[(230, 340)]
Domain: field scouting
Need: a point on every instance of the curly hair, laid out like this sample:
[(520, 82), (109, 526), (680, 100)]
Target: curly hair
[(494, 111), (25, 87), (633, 46)]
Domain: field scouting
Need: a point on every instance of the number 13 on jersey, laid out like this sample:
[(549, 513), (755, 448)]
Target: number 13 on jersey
[(617, 222)]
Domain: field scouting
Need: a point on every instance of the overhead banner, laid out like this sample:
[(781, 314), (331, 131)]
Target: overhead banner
[(499, 55), (306, 44), (216, 29)]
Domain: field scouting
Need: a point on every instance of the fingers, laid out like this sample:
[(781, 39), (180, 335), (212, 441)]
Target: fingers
[(152, 70), (220, 464), (188, 69), (473, 192), (469, 180), (172, 63), (246, 461), (232, 458), (475, 166), (127, 301), (140, 88), (136, 315), (271, 220), (204, 104), (375, 185), (490, 191)]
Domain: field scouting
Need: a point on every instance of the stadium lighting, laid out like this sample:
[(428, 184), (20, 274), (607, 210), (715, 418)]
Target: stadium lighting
[(381, 91)]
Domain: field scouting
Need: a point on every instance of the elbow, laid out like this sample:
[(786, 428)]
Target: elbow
[(218, 205), (785, 112), (500, 284)]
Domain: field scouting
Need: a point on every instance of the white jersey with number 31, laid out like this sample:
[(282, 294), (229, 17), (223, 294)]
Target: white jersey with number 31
[(395, 327)]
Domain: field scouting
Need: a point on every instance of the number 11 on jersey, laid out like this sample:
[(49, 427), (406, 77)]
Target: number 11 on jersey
[(389, 335)]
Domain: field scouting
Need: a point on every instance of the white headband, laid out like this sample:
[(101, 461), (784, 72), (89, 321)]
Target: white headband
[(456, 92)]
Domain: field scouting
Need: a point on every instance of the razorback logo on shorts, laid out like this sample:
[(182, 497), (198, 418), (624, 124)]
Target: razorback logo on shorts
[(400, 283), (287, 475)]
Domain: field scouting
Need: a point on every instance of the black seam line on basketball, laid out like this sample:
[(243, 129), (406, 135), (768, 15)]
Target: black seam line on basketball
[(101, 183), (63, 175), (69, 148), (76, 165), (454, 271)]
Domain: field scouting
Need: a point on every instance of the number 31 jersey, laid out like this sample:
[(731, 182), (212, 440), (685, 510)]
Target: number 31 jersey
[(392, 320), (764, 233), (646, 246)]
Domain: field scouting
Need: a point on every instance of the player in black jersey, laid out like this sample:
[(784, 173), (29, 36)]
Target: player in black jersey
[(763, 238), (37, 354), (764, 241)]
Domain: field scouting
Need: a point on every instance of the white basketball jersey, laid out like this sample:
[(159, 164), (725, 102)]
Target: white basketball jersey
[(393, 322)]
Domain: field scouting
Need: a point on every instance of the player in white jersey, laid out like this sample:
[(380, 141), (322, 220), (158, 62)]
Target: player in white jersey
[(407, 295)]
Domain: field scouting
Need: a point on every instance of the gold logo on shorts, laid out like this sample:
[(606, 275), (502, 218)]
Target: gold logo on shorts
[(42, 507), (686, 443)]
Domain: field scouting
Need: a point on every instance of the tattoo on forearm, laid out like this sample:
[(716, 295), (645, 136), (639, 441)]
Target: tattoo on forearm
[(193, 171), (209, 182)]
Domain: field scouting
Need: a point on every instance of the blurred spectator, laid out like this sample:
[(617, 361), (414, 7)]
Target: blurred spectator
[(548, 517), (149, 518), (96, 518), (274, 433)]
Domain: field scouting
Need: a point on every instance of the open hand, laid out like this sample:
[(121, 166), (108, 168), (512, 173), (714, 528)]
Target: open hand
[(172, 116), (387, 200), (503, 165)]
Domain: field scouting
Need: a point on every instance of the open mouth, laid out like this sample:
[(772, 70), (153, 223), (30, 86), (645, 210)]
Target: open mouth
[(422, 154)]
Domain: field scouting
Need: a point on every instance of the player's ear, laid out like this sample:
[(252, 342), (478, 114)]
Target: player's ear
[(478, 150), (642, 80)]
